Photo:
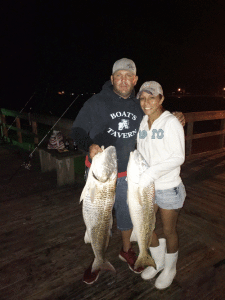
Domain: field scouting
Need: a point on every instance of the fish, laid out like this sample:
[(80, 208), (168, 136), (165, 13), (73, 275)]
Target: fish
[(141, 208), (98, 198)]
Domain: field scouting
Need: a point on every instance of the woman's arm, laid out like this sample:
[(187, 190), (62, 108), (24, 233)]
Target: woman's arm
[(176, 144)]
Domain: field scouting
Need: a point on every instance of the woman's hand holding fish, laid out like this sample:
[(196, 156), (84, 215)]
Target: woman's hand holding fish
[(93, 150)]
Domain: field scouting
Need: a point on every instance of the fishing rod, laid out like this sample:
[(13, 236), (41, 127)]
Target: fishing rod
[(2, 137), (27, 163), (21, 111), (31, 154), (24, 108)]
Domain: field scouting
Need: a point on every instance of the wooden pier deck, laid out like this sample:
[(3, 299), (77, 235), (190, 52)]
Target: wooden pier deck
[(43, 255)]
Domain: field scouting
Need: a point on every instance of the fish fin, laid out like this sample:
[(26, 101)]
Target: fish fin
[(143, 261), (102, 266), (110, 226), (111, 223), (133, 237), (82, 196), (109, 233), (92, 194), (87, 238), (139, 193), (86, 188), (107, 240), (91, 190)]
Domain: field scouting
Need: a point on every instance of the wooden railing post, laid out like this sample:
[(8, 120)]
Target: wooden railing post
[(222, 127), (19, 134), (34, 130), (190, 126), (5, 130)]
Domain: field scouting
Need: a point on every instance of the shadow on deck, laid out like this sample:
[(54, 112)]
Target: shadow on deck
[(43, 255)]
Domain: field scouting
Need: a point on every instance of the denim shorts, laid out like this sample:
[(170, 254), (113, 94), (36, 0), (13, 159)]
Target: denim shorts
[(171, 198)]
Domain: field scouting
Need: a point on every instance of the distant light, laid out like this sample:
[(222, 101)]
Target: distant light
[(72, 94), (179, 90), (60, 93), (224, 88), (63, 92)]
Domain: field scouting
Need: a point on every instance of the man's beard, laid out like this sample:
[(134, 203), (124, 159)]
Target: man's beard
[(123, 94)]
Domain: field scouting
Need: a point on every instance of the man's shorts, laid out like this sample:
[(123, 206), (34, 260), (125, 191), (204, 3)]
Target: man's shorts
[(171, 198), (121, 208)]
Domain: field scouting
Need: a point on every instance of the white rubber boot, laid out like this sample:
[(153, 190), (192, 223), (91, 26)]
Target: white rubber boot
[(166, 277), (158, 254)]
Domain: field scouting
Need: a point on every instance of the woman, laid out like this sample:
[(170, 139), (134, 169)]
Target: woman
[(161, 142)]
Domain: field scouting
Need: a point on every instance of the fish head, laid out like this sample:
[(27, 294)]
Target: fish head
[(136, 166), (104, 164)]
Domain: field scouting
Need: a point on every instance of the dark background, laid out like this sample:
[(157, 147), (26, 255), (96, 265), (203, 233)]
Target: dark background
[(71, 46)]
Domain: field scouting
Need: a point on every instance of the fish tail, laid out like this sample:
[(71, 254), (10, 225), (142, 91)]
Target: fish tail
[(102, 266), (143, 261), (107, 266)]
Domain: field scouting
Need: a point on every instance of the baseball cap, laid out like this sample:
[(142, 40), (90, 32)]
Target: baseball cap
[(150, 87), (124, 64)]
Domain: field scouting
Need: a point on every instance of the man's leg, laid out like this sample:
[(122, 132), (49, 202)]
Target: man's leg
[(124, 224), (126, 234)]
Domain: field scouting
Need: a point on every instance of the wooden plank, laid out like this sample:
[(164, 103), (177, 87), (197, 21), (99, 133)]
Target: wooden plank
[(10, 113), (5, 130), (22, 131), (203, 154), (222, 128), (19, 134), (43, 254), (204, 116), (35, 131), (189, 138), (205, 134)]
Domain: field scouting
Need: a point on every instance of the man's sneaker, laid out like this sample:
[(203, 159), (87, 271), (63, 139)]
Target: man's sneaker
[(130, 257), (90, 277)]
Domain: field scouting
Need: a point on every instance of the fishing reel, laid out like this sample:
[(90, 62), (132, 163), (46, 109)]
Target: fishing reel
[(27, 164)]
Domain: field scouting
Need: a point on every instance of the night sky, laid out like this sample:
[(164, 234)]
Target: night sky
[(61, 45)]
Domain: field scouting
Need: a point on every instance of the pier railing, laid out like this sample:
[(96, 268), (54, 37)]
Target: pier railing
[(36, 126), (26, 130), (194, 117)]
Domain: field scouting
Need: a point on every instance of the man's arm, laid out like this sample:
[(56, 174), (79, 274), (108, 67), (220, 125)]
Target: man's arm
[(82, 126), (179, 115)]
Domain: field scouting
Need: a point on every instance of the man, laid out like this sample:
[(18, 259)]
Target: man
[(112, 118)]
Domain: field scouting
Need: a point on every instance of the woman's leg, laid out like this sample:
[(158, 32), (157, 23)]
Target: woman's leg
[(155, 241), (157, 250), (169, 220)]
